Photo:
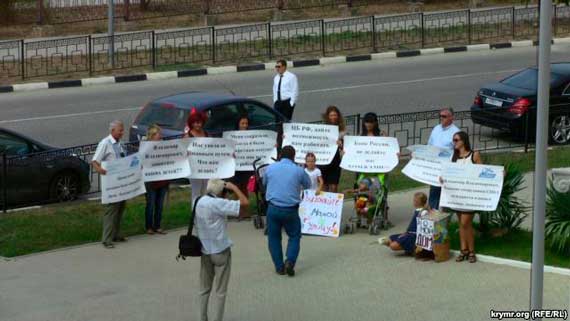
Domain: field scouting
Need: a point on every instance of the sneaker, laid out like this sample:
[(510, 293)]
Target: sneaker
[(108, 245), (289, 268)]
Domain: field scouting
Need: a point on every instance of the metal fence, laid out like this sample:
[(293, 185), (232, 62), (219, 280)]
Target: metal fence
[(90, 55), (408, 128)]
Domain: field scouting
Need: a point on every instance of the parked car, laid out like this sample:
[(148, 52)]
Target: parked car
[(510, 103), (223, 110), (39, 173)]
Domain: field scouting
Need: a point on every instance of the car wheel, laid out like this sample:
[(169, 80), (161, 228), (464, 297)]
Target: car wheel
[(560, 129), (64, 187)]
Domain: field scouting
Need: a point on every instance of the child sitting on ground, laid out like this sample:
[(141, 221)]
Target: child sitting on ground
[(407, 241)]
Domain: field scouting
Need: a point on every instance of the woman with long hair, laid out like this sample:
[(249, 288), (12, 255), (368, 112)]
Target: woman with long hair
[(155, 192), (195, 128), (241, 178), (331, 172), (370, 126), (463, 154)]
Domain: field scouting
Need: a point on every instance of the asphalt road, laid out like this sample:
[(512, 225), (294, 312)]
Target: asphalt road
[(74, 116)]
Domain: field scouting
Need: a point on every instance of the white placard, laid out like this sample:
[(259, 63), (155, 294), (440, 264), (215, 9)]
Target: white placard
[(123, 180), (321, 214), (211, 157), (424, 233), (251, 145), (426, 162), (165, 159), (471, 187), (370, 154), (311, 138)]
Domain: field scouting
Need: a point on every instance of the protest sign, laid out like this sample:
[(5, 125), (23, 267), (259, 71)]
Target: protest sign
[(424, 233), (425, 165), (311, 138), (123, 179), (370, 154), (211, 157), (471, 187), (251, 145), (165, 159), (432, 230), (321, 214)]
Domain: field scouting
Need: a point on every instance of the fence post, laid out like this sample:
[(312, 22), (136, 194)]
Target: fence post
[(270, 40), (423, 31), (90, 56), (23, 59), (4, 179), (127, 10), (153, 55), (514, 26), (555, 18), (323, 37), (372, 21), (469, 26), (213, 46)]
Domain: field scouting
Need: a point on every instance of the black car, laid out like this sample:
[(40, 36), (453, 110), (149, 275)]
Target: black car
[(223, 110), (511, 103), (38, 173)]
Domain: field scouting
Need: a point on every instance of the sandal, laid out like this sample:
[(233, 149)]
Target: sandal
[(149, 232), (463, 255), (160, 231), (472, 258)]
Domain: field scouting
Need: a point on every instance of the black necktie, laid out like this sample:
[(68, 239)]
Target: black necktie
[(279, 88)]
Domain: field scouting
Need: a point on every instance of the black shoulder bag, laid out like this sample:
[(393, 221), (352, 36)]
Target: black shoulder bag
[(190, 245)]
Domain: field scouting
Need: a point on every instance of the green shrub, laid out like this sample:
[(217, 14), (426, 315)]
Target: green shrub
[(511, 211), (557, 227)]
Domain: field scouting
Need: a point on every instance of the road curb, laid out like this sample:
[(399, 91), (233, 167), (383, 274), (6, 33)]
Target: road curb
[(269, 66)]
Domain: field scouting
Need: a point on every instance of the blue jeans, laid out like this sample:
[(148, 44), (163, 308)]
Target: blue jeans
[(288, 218), (153, 210), (434, 195)]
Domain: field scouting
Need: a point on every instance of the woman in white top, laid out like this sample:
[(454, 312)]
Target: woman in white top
[(463, 154)]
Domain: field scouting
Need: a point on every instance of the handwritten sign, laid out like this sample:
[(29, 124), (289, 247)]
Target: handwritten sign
[(432, 229), (164, 160), (211, 158), (251, 145), (424, 233), (321, 214), (471, 187), (311, 138), (123, 180), (426, 162), (370, 154)]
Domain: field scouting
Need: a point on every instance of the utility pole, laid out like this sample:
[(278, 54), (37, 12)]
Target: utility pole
[(542, 110)]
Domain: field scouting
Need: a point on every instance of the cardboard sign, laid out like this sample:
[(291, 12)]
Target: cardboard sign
[(311, 138), (123, 180), (251, 145), (369, 154), (211, 158), (321, 214), (164, 160)]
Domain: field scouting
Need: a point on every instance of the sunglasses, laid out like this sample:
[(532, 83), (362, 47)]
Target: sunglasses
[(456, 140), (277, 67), (443, 116)]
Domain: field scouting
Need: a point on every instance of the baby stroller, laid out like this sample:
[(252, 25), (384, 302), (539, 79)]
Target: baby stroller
[(377, 212), (259, 189)]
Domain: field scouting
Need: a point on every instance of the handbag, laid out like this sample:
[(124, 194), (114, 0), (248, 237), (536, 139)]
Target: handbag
[(190, 245)]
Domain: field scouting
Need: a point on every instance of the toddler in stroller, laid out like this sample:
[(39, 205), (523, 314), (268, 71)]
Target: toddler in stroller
[(370, 206)]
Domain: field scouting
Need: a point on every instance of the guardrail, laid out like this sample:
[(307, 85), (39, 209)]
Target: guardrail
[(408, 128), (187, 48)]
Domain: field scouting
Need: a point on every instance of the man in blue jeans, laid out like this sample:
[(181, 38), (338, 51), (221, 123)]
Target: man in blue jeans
[(284, 182)]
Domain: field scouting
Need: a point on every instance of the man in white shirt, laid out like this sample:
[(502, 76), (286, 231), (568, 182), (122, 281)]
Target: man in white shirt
[(441, 136), (285, 90), (110, 148), (211, 212)]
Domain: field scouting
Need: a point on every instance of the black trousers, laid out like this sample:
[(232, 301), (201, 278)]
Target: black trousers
[(284, 107)]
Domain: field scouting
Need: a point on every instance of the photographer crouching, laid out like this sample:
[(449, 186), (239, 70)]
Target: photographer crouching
[(211, 212)]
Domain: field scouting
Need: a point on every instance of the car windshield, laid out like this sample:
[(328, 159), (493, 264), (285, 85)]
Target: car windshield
[(164, 115), (528, 79)]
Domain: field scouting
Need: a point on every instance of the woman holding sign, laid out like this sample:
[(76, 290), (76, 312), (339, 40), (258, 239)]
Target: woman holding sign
[(155, 192), (241, 178), (331, 172), (463, 154), (195, 128)]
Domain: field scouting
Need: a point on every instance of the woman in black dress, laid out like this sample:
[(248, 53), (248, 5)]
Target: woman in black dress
[(241, 178), (331, 172)]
